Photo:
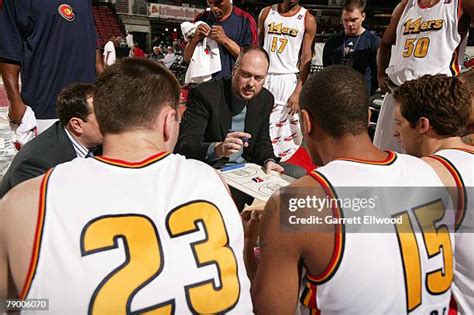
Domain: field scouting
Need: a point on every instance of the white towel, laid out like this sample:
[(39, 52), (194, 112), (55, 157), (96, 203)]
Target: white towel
[(206, 58), (26, 130)]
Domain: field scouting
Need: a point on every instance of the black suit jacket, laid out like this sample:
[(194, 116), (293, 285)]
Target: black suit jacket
[(208, 118), (48, 149)]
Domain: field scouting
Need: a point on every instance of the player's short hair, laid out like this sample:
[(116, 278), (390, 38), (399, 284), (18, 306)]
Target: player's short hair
[(445, 101), (72, 102), (467, 78), (351, 5), (131, 93), (336, 99), (248, 49)]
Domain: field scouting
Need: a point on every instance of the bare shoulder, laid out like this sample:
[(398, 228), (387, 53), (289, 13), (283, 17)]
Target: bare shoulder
[(441, 170), (20, 205)]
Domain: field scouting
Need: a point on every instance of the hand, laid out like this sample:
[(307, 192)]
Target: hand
[(251, 220), (294, 103), (218, 34), (16, 112), (272, 166), (202, 31), (385, 84), (232, 143)]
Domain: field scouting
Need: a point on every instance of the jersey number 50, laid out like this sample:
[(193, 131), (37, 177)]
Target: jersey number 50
[(144, 260), (417, 48)]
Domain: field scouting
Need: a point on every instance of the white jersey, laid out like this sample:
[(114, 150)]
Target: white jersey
[(117, 237), (283, 40), (391, 270), (428, 41), (460, 163)]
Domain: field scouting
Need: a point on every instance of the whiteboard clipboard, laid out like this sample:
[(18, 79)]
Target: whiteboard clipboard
[(252, 180)]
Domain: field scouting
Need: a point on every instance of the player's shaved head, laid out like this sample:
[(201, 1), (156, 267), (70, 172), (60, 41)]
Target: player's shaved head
[(336, 99), (130, 95)]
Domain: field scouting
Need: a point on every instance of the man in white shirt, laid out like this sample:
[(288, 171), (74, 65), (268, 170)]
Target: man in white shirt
[(109, 51), (170, 57)]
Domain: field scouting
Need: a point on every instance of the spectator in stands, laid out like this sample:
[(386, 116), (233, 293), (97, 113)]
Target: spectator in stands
[(137, 52), (355, 46), (129, 40), (169, 58), (52, 48), (109, 51), (231, 27), (156, 54), (76, 134)]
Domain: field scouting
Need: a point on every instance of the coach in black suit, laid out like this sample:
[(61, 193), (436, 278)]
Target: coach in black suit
[(239, 103), (73, 136)]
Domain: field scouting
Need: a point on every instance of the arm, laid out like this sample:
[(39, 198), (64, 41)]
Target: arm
[(99, 62), (373, 64), (304, 62), (219, 35), (261, 25), (285, 247), (263, 148), (385, 50), (3, 254), (468, 9), (201, 32), (10, 75)]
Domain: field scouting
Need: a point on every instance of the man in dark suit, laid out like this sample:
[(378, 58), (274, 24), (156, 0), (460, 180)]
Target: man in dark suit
[(74, 135), (226, 120)]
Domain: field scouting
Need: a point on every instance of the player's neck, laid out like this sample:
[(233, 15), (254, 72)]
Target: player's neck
[(427, 3), (433, 145), (349, 146), (287, 9), (133, 146)]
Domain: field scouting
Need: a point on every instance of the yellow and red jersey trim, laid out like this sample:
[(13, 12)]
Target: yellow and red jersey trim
[(462, 195), (308, 297), (338, 234), (459, 10), (120, 163), (387, 161), (38, 236)]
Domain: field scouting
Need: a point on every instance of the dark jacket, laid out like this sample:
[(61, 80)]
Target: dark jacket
[(208, 118), (48, 149)]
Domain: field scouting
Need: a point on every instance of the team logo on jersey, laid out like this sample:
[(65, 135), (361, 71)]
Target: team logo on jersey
[(279, 29), (300, 16), (66, 12), (418, 26), (447, 1)]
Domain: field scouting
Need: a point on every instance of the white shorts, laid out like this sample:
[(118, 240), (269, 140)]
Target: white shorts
[(285, 131), (383, 138)]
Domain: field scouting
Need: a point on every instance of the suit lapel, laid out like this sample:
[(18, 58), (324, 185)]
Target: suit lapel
[(224, 108)]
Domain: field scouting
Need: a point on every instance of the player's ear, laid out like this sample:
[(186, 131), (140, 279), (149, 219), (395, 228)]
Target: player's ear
[(306, 125), (363, 16), (423, 125), (75, 125)]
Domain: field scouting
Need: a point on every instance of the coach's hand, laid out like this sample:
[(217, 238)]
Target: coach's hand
[(233, 143), (294, 102), (272, 166)]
